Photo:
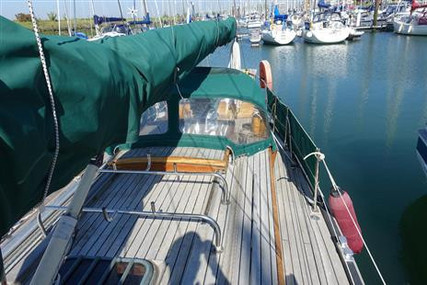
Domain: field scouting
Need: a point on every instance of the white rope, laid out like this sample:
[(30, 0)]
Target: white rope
[(354, 222), (52, 103)]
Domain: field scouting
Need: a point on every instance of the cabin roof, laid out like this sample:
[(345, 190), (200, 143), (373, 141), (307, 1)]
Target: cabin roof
[(215, 82)]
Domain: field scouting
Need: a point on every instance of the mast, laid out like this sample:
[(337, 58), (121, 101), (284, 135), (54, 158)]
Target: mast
[(59, 17), (265, 10), (158, 14), (120, 9), (134, 9), (377, 4), (307, 6), (75, 16), (144, 6)]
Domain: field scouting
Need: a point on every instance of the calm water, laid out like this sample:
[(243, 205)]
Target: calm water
[(363, 103)]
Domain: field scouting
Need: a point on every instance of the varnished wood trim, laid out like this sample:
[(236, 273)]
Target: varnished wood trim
[(169, 163), (277, 236)]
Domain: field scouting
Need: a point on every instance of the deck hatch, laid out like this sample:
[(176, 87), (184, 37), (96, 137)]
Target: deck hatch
[(103, 270)]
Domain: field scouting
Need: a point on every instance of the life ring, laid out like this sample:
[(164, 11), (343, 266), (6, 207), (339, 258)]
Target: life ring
[(265, 76)]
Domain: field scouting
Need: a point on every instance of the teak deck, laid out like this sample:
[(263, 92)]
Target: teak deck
[(183, 251)]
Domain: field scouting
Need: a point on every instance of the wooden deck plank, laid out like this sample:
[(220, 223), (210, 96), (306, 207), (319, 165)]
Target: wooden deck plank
[(263, 170), (292, 262), (169, 237), (176, 205), (102, 237), (316, 262), (143, 227), (217, 273), (325, 247), (284, 212), (124, 181), (230, 261), (170, 248), (136, 235), (197, 261), (256, 264), (122, 225), (168, 202), (302, 215), (186, 244), (122, 240), (245, 253), (85, 237), (223, 265), (178, 254)]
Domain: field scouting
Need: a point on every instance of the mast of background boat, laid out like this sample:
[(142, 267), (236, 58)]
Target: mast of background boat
[(174, 12), (121, 11), (75, 16), (92, 5), (134, 9), (158, 14), (377, 4), (68, 16), (59, 17), (144, 7), (265, 10), (307, 8)]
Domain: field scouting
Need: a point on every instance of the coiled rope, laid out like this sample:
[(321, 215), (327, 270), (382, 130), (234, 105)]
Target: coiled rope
[(52, 105)]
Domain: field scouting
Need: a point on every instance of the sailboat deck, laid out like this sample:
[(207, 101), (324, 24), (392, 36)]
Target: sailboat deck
[(183, 250)]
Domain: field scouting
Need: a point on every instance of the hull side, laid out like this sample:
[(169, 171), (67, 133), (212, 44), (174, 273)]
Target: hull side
[(325, 36)]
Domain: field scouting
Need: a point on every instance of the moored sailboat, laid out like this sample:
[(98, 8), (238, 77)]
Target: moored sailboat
[(413, 24), (279, 32), (218, 173), (325, 28)]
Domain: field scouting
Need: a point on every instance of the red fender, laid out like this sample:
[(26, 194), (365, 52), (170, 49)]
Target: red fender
[(265, 76), (349, 230)]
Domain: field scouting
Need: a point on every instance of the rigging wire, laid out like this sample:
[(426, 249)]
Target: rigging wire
[(52, 103), (354, 222)]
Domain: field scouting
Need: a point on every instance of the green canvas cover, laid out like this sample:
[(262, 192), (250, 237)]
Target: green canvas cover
[(289, 129), (209, 82), (101, 88)]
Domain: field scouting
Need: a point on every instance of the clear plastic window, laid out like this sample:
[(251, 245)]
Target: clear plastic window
[(154, 120), (239, 121)]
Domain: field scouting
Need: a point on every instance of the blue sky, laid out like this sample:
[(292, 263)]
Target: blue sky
[(8, 8)]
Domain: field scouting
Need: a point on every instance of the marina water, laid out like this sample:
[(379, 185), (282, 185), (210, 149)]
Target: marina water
[(362, 102)]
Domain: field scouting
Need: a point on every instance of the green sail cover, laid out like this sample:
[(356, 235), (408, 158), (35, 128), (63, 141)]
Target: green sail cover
[(101, 88)]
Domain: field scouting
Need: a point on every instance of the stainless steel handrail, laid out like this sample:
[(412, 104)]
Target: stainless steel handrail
[(225, 197), (155, 214)]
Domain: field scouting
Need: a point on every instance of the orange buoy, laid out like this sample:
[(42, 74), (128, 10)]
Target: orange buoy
[(265, 76), (349, 229)]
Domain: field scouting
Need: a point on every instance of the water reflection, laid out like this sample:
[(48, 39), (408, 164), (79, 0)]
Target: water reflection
[(327, 61), (329, 110), (366, 80), (395, 88)]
